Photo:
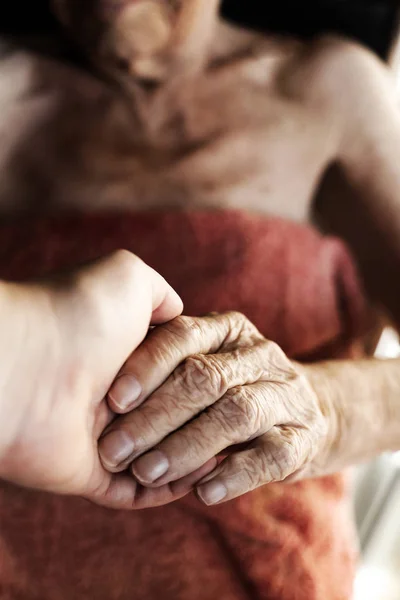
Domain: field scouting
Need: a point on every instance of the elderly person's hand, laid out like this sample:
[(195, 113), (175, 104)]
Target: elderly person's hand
[(229, 392)]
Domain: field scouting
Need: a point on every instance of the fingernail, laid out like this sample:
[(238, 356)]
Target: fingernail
[(125, 392), (150, 467), (212, 492), (116, 447)]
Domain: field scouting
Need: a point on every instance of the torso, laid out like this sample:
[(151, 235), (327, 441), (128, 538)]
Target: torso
[(235, 136)]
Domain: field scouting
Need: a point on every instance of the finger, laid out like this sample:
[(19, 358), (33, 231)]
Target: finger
[(273, 457), (195, 385), (169, 345), (126, 275), (122, 492), (122, 293), (238, 417), (166, 303)]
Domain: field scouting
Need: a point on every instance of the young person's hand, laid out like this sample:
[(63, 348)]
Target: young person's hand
[(62, 343)]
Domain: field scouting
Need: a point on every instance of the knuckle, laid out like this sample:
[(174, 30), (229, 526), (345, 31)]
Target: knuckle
[(125, 259), (239, 327), (275, 352), (176, 339), (239, 412), (277, 365), (271, 347), (128, 267), (238, 322), (185, 327), (202, 373), (236, 317), (252, 471), (159, 351), (285, 460)]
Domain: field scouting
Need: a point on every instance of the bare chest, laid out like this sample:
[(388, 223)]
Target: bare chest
[(228, 139)]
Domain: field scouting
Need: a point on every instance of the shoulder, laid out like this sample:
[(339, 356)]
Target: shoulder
[(331, 69), (344, 71), (348, 87), (339, 50)]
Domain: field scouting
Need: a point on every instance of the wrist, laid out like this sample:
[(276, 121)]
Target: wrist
[(324, 386), (361, 403), (319, 379)]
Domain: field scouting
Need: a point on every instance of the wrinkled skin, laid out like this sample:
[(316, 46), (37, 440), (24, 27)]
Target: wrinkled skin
[(232, 392)]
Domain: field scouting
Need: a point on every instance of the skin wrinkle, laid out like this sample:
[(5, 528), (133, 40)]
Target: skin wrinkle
[(206, 423), (239, 414)]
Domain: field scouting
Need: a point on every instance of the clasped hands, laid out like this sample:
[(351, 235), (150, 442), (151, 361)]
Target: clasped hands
[(202, 403), (210, 404)]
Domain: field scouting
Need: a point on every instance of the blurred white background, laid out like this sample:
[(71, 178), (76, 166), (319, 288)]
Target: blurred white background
[(377, 508)]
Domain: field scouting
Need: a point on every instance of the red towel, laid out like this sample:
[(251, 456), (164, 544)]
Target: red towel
[(281, 542)]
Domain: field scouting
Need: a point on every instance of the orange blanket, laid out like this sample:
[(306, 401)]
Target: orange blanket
[(281, 542)]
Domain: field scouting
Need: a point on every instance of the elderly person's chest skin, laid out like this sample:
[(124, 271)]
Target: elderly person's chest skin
[(241, 135)]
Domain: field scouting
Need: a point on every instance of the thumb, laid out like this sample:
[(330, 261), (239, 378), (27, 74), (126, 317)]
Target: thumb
[(131, 295), (166, 304)]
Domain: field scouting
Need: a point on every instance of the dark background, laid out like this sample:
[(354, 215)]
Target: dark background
[(370, 21)]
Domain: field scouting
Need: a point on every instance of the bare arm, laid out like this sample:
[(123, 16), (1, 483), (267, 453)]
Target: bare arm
[(360, 196), (360, 201), (361, 402)]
